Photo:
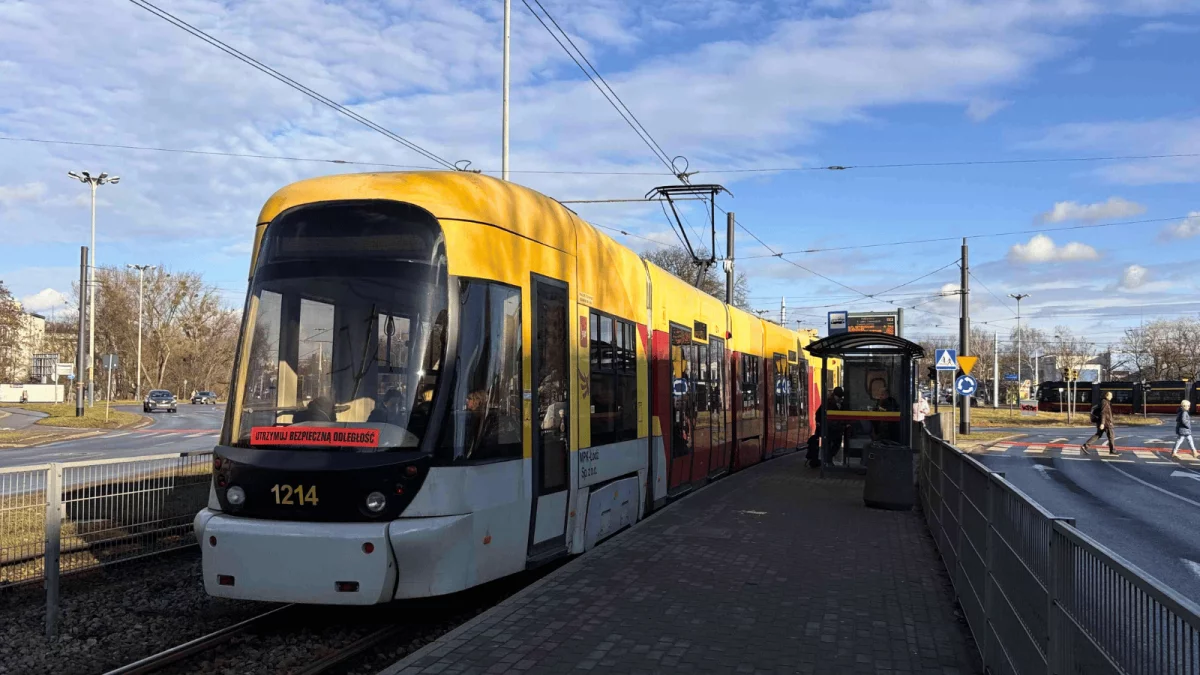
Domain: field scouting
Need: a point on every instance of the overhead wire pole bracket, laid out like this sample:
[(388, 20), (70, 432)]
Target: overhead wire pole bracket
[(687, 192)]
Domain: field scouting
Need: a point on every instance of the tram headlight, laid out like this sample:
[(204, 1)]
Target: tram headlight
[(376, 501), (236, 495)]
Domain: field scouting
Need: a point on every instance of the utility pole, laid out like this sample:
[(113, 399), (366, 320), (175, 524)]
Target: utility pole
[(729, 258), (996, 370), (94, 182), (142, 269), (504, 113), (964, 337), (79, 358)]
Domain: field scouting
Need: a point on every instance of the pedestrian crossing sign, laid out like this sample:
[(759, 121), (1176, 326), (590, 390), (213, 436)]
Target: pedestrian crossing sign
[(945, 359)]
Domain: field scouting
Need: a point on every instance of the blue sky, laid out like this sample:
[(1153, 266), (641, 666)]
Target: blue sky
[(728, 85)]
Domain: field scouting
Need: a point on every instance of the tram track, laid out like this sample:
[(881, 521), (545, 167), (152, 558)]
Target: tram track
[(323, 640), (168, 657)]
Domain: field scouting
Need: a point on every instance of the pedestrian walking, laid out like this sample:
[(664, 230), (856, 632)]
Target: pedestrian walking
[(1183, 428), (1102, 417)]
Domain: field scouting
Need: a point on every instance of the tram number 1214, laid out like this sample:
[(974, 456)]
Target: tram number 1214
[(284, 493)]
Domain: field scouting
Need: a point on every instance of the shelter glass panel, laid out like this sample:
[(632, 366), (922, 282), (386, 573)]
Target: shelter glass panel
[(871, 412)]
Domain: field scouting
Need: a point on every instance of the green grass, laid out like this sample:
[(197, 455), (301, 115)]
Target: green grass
[(19, 438), (63, 415), (1005, 417)]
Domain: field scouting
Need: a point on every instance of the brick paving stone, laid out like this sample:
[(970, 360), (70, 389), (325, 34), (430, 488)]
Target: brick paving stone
[(770, 570)]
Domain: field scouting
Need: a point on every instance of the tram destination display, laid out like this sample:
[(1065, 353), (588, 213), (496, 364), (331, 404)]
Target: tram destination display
[(873, 322)]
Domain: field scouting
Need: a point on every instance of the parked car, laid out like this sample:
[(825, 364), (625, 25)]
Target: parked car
[(159, 399), (203, 397)]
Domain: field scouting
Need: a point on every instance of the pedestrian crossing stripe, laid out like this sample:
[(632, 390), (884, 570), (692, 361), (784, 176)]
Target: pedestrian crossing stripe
[(1144, 454), (1070, 451), (1002, 447), (947, 361), (1034, 449)]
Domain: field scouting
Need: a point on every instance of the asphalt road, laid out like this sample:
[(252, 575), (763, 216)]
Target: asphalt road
[(1140, 503), (193, 428)]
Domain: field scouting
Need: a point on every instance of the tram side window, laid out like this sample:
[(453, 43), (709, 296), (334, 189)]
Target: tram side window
[(1165, 396), (613, 356), (1120, 395), (751, 405), (484, 417)]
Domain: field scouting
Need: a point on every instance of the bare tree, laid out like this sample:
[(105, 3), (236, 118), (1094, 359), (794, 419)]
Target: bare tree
[(188, 338), (11, 321), (1165, 349), (677, 261)]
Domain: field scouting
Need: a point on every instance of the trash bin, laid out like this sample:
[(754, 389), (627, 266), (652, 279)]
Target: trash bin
[(889, 483)]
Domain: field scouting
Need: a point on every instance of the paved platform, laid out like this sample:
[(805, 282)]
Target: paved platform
[(771, 570)]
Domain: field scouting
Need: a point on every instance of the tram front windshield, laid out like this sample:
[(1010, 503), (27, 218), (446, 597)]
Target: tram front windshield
[(345, 328)]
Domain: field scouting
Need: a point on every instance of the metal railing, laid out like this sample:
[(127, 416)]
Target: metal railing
[(1039, 595), (63, 518)]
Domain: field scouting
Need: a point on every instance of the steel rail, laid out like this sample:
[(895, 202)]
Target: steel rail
[(166, 657)]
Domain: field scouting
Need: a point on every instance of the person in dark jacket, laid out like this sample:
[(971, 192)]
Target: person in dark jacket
[(1104, 426), (1183, 428)]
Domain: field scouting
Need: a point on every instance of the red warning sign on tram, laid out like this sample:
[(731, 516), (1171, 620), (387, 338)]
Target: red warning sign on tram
[(315, 436)]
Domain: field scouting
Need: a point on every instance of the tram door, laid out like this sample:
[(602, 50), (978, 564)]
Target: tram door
[(552, 418), (683, 408)]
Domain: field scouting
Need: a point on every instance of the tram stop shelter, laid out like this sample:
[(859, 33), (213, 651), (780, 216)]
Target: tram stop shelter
[(878, 390)]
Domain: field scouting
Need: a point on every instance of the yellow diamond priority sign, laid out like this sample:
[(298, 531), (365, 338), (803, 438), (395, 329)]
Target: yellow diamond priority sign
[(967, 363)]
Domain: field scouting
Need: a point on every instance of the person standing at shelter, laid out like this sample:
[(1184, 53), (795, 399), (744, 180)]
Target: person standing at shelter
[(1183, 428), (1103, 419), (834, 430)]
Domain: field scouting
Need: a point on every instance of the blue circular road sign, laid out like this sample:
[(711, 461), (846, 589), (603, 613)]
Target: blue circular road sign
[(965, 385)]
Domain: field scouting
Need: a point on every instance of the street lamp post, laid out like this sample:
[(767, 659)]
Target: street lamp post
[(142, 269), (1018, 297), (93, 182)]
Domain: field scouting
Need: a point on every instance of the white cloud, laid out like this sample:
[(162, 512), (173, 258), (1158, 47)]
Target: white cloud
[(979, 109), (430, 71), (1080, 66), (29, 192), (241, 248), (1166, 27), (1185, 229), (45, 300), (1041, 248), (1115, 207), (1133, 277)]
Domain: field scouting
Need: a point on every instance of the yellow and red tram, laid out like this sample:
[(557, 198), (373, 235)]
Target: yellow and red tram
[(443, 378)]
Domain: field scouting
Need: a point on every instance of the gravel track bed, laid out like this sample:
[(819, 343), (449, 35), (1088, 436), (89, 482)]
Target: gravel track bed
[(128, 612), (310, 634), (113, 616)]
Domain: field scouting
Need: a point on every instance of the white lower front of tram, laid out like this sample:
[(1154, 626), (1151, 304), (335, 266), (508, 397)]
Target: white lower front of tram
[(466, 526)]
